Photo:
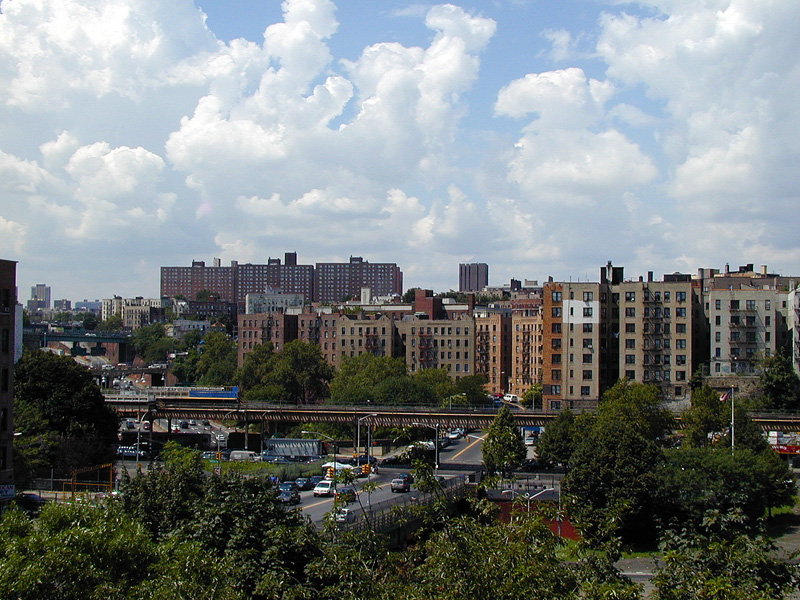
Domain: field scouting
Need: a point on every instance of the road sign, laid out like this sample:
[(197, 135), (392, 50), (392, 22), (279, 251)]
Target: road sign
[(217, 470), (7, 491)]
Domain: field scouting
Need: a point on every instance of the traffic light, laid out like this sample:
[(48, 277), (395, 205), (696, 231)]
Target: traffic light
[(219, 456), (365, 469), (331, 472)]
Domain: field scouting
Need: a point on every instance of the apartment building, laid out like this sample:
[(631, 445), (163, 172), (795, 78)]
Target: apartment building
[(437, 344), (327, 282), (659, 332), (746, 323), (526, 350), (493, 347), (8, 337), (260, 328), (573, 357), (336, 282), (359, 335), (472, 277), (793, 318)]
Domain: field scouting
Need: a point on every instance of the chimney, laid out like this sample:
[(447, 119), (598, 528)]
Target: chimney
[(764, 270), (650, 277)]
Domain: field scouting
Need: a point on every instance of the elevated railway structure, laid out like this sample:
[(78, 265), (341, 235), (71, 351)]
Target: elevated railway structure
[(208, 404)]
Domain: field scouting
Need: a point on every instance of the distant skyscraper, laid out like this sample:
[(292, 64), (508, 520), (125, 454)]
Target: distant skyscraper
[(40, 296), (473, 277)]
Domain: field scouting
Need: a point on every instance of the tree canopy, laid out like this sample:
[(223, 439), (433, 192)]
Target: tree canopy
[(503, 448)]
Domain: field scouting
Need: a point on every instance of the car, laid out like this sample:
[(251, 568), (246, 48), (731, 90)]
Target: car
[(289, 497), (407, 476), (344, 515), (147, 426), (324, 488), (29, 502), (314, 480), (208, 456), (288, 486), (345, 494), (130, 425), (124, 452), (184, 424), (455, 434), (304, 483), (400, 485)]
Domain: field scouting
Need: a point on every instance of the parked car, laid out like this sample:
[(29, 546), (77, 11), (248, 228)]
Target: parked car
[(400, 485), (244, 455), (344, 515), (29, 502), (289, 497), (146, 425), (346, 494), (324, 488), (315, 479)]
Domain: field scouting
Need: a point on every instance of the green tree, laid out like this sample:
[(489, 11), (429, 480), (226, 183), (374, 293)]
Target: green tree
[(718, 566), (217, 362), (557, 442), (778, 383), (112, 323), (151, 343), (405, 391), (640, 403), (474, 388), (706, 420), (302, 372), (61, 415), (438, 381), (533, 396), (358, 376), (75, 551), (503, 449)]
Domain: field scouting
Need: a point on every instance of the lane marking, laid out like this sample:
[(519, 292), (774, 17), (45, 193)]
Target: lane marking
[(477, 439)]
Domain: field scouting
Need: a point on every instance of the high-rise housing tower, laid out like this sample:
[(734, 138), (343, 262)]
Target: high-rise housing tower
[(8, 303), (40, 297), (473, 277)]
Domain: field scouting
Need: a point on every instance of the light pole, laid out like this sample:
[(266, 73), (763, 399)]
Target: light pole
[(358, 438), (335, 449), (435, 443)]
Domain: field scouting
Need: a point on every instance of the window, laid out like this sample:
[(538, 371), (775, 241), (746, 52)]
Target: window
[(666, 296), (630, 311), (556, 296), (718, 304), (557, 312), (556, 359), (555, 327), (767, 304), (556, 343), (717, 320), (555, 404), (587, 342), (587, 311), (586, 390), (587, 375), (734, 305), (680, 344), (680, 296), (630, 343), (718, 336), (666, 312), (630, 327), (680, 328), (630, 375), (750, 304), (587, 359), (555, 374), (630, 359), (588, 296), (630, 296), (680, 312)]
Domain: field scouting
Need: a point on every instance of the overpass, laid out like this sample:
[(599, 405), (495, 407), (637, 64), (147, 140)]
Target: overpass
[(175, 403)]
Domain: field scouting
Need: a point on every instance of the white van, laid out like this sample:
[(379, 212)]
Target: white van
[(324, 488), (244, 455), (511, 398)]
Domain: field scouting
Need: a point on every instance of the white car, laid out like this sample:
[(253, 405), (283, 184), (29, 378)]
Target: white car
[(324, 488), (344, 515)]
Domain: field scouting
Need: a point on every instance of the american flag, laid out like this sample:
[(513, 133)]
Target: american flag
[(725, 396)]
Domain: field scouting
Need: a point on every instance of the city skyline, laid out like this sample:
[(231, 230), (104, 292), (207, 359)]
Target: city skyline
[(540, 138)]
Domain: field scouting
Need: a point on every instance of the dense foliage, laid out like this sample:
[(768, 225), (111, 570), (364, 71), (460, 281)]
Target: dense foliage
[(61, 417)]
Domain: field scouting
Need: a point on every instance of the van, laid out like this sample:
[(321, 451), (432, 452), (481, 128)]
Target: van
[(244, 455), (511, 398), (324, 488)]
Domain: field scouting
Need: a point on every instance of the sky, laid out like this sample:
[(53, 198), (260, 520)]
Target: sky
[(541, 137)]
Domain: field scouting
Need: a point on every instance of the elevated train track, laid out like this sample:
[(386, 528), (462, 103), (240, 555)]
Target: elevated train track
[(165, 403)]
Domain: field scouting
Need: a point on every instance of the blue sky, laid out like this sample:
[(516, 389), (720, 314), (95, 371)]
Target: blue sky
[(541, 137)]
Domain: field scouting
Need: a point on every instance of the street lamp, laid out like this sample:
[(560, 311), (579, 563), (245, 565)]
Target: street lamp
[(358, 439), (335, 451), (435, 443)]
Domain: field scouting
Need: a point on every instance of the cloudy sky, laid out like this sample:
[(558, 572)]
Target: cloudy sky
[(542, 137)]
